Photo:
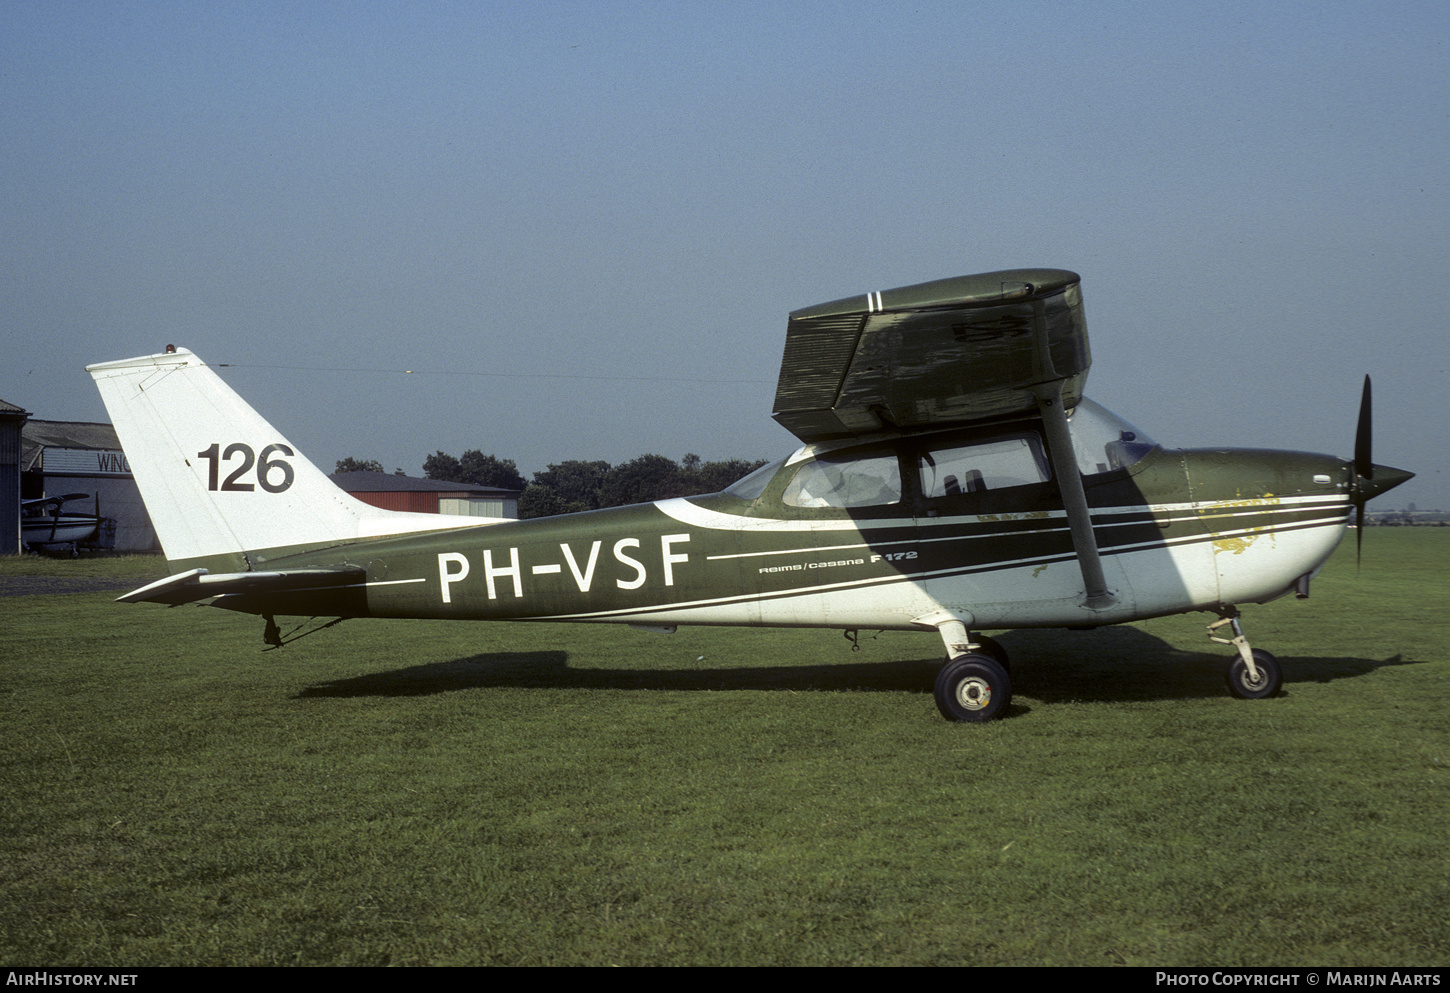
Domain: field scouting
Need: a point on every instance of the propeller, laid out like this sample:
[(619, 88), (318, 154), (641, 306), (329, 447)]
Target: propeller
[(1363, 468), (1370, 480)]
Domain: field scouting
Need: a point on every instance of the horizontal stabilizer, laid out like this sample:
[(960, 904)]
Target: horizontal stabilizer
[(198, 584)]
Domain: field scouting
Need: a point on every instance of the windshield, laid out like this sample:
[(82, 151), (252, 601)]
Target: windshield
[(1103, 441), (750, 487)]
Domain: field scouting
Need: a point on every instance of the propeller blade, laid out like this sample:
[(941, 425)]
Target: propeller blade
[(1363, 469), (1363, 462)]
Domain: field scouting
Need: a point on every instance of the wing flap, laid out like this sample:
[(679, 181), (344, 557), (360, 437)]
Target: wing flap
[(934, 354)]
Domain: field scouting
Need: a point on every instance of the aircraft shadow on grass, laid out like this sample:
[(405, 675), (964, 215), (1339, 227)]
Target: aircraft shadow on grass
[(1109, 665)]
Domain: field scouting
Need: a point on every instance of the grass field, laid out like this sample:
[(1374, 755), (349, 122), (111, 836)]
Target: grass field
[(391, 792)]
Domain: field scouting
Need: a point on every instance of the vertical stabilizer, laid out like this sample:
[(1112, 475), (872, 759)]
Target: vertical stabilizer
[(217, 479)]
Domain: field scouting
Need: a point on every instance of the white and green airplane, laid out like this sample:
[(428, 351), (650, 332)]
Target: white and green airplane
[(952, 476)]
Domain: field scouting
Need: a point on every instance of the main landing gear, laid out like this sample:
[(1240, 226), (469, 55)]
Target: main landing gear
[(1254, 673), (975, 684)]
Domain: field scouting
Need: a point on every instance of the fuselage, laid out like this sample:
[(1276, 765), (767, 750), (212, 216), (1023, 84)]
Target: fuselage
[(873, 534)]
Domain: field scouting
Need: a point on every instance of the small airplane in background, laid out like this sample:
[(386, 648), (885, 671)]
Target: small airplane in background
[(45, 524), (952, 477)]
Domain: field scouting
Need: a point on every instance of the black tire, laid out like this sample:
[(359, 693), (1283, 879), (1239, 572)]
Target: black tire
[(1271, 677), (993, 649), (972, 689)]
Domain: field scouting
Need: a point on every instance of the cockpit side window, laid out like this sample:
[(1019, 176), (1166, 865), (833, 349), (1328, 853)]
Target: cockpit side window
[(871, 479), (1014, 460)]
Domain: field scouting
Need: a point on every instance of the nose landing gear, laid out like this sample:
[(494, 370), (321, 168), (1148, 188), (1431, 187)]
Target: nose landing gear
[(1254, 674)]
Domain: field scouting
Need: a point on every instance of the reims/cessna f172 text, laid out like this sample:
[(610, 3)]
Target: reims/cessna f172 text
[(953, 477)]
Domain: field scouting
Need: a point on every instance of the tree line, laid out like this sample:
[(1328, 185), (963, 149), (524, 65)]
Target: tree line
[(574, 486)]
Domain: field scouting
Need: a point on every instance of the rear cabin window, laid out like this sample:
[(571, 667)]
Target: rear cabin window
[(1016, 460), (869, 480)]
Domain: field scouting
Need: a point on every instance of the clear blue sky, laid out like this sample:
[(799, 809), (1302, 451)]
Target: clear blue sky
[(583, 224)]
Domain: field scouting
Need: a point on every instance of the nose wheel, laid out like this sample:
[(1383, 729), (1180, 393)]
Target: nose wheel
[(1264, 681), (1254, 674)]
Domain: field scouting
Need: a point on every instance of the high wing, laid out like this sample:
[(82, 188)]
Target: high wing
[(52, 501), (934, 354), (952, 351)]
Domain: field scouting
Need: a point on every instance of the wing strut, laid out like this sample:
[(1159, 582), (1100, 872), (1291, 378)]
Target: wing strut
[(1048, 391)]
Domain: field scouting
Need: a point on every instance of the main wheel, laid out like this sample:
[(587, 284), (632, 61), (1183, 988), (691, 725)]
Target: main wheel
[(1271, 677), (973, 688)]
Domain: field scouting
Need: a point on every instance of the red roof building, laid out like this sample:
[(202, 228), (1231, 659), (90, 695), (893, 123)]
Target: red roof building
[(429, 496)]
